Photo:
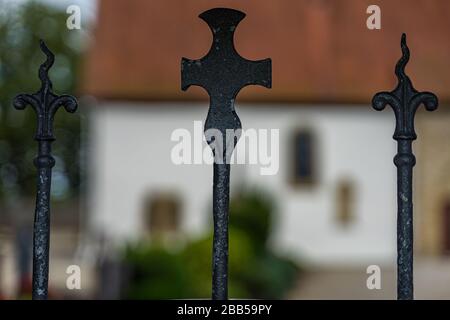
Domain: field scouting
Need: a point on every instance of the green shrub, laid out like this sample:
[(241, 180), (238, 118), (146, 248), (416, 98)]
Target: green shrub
[(254, 271), (155, 273)]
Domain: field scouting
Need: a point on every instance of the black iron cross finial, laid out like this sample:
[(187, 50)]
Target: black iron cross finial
[(404, 100), (45, 103), (222, 72)]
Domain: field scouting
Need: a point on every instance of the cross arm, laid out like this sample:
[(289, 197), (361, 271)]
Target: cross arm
[(191, 73), (259, 73)]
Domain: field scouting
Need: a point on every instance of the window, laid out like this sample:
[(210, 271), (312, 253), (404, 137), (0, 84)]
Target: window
[(162, 214), (345, 200), (304, 162)]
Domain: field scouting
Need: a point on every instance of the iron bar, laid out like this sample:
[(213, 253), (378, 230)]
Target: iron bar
[(404, 100), (221, 194), (223, 73), (45, 104)]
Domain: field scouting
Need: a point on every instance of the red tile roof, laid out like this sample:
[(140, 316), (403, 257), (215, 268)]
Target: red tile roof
[(321, 50)]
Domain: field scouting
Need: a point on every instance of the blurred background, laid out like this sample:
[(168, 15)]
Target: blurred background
[(139, 226)]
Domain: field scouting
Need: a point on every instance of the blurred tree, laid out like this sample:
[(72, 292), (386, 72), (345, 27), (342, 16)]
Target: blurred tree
[(252, 212), (21, 27), (266, 275)]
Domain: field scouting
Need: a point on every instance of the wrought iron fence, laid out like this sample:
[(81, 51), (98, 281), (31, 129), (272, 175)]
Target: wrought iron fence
[(223, 72)]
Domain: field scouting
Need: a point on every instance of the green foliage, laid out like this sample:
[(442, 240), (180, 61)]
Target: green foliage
[(21, 27), (197, 257), (252, 213), (254, 271), (153, 268)]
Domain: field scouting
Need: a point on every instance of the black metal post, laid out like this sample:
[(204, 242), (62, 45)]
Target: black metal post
[(404, 161), (44, 163), (45, 103), (404, 100), (223, 73), (221, 194)]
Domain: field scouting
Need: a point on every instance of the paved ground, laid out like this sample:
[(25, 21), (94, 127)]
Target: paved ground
[(432, 281)]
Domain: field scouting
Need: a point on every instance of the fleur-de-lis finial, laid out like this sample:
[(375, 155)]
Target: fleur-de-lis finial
[(44, 102), (404, 99)]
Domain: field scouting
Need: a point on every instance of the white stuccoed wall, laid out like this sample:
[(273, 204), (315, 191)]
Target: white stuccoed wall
[(130, 157)]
